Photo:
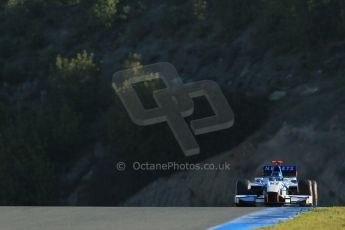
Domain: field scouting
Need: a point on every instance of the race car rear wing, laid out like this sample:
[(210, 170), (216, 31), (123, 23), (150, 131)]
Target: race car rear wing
[(288, 171)]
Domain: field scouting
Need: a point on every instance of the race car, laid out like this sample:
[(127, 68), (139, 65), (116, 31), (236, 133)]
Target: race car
[(278, 186)]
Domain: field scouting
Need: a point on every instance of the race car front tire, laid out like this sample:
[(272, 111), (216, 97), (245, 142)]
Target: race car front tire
[(305, 188), (243, 187)]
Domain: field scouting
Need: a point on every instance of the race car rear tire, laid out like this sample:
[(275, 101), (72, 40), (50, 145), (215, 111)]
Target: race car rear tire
[(315, 193), (243, 187), (305, 188)]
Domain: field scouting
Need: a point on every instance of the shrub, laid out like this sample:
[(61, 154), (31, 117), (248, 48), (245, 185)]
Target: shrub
[(105, 10), (12, 3), (75, 81), (200, 7), (76, 70), (133, 61)]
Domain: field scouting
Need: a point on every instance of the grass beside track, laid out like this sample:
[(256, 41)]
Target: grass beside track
[(319, 218)]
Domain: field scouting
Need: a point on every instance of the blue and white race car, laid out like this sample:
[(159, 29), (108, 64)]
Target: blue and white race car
[(278, 186)]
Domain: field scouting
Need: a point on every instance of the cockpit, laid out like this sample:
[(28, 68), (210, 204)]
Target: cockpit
[(277, 173)]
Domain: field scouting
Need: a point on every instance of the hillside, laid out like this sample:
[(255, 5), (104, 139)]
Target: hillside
[(62, 128)]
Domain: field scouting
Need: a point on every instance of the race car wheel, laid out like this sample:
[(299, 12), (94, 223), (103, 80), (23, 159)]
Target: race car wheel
[(243, 187), (315, 193), (305, 188)]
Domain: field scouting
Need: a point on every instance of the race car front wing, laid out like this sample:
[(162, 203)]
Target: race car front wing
[(254, 200)]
